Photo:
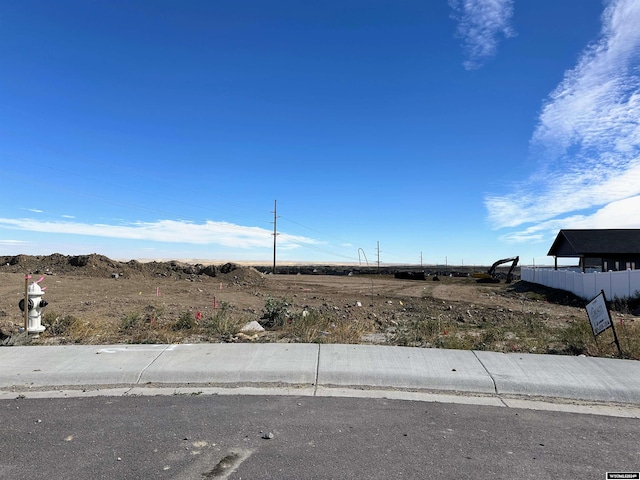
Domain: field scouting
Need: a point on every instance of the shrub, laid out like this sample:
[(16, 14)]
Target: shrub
[(222, 324), (489, 337), (185, 321), (131, 321), (625, 304), (59, 325), (275, 312), (17, 339), (629, 336), (307, 327), (420, 331), (577, 338), (322, 326)]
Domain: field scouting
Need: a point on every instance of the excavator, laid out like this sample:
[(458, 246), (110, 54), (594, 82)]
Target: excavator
[(490, 275)]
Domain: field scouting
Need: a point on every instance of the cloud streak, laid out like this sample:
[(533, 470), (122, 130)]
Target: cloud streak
[(587, 140), (13, 243), (619, 214), (168, 231), (481, 23)]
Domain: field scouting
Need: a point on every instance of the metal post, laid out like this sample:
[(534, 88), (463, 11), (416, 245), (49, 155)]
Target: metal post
[(615, 338), (26, 302), (613, 329)]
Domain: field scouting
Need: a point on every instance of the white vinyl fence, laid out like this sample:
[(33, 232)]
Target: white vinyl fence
[(586, 285)]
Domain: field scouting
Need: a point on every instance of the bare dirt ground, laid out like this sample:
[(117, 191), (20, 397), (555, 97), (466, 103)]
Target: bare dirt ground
[(98, 291)]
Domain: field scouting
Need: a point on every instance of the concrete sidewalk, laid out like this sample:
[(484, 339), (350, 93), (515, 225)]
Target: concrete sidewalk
[(311, 369)]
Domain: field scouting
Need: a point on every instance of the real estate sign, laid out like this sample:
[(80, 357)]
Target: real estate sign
[(598, 314)]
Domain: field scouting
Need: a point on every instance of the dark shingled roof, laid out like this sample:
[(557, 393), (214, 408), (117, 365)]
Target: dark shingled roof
[(596, 243)]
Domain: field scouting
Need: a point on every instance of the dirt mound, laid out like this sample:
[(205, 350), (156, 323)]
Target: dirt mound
[(241, 275), (95, 265)]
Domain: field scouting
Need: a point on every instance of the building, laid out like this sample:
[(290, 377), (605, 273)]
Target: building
[(607, 249)]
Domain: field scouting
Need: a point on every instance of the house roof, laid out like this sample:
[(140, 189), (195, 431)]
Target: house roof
[(596, 243)]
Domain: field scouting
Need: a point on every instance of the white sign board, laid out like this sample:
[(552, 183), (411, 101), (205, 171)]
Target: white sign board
[(598, 314)]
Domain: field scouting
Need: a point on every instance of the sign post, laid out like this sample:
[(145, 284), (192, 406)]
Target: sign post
[(600, 318)]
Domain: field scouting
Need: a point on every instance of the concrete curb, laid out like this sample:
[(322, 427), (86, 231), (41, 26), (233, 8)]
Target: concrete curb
[(402, 367), (293, 363), (321, 369), (582, 378)]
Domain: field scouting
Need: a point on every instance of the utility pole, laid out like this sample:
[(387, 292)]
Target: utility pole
[(378, 257), (275, 234), (420, 260)]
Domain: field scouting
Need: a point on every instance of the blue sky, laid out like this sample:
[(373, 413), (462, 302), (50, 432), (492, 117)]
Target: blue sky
[(460, 132)]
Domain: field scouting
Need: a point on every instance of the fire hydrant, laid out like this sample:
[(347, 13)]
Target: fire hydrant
[(35, 306)]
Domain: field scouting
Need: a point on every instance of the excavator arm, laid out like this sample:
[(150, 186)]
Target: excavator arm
[(490, 276)]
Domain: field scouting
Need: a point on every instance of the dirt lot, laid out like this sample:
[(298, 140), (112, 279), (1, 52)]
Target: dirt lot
[(111, 302)]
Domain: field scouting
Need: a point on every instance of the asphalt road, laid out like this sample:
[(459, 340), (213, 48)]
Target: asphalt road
[(198, 436)]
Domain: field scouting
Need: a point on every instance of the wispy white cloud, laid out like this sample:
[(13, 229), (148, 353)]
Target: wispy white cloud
[(169, 231), (13, 243), (68, 216), (481, 24), (587, 140), (35, 210), (618, 214)]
